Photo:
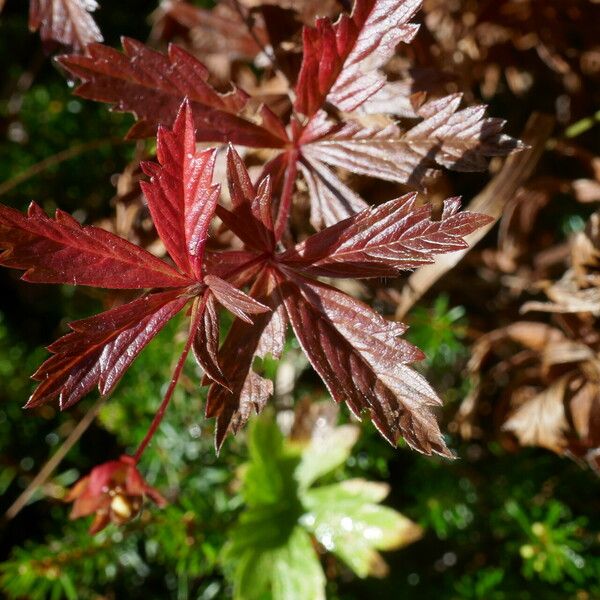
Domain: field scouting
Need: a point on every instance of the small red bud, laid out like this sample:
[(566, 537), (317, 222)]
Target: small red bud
[(114, 491)]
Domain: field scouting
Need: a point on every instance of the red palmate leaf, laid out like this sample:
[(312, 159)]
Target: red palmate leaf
[(67, 22), (341, 61), (61, 250), (180, 193), (456, 139), (251, 219), (356, 352), (99, 350), (385, 240), (341, 67), (153, 86), (247, 390), (206, 339)]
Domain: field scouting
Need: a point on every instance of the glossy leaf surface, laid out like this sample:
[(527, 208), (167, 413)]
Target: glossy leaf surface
[(339, 74), (101, 348), (68, 22), (357, 353), (60, 250), (182, 200), (460, 140), (341, 61), (382, 241), (362, 362), (180, 194), (247, 391), (153, 86)]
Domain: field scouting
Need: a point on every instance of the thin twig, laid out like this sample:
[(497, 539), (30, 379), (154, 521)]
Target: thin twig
[(269, 53), (40, 479), (160, 413), (287, 194), (56, 159), (491, 201)]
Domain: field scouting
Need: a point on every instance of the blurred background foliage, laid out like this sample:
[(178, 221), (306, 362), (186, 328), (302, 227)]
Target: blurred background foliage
[(494, 524)]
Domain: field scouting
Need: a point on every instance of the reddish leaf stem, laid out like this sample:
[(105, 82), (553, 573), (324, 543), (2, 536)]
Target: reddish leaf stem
[(160, 413), (285, 204)]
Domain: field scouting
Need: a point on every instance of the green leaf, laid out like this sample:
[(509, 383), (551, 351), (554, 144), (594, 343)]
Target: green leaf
[(288, 572), (268, 555), (325, 453), (346, 519), (68, 587), (268, 477)]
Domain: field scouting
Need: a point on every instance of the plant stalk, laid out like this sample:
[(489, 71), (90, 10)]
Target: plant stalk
[(285, 204), (160, 413)]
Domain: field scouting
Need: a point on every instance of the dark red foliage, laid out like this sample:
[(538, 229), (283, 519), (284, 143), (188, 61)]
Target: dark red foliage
[(382, 241), (357, 353), (152, 86), (67, 22), (60, 250), (341, 61), (99, 350), (341, 70), (246, 391)]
